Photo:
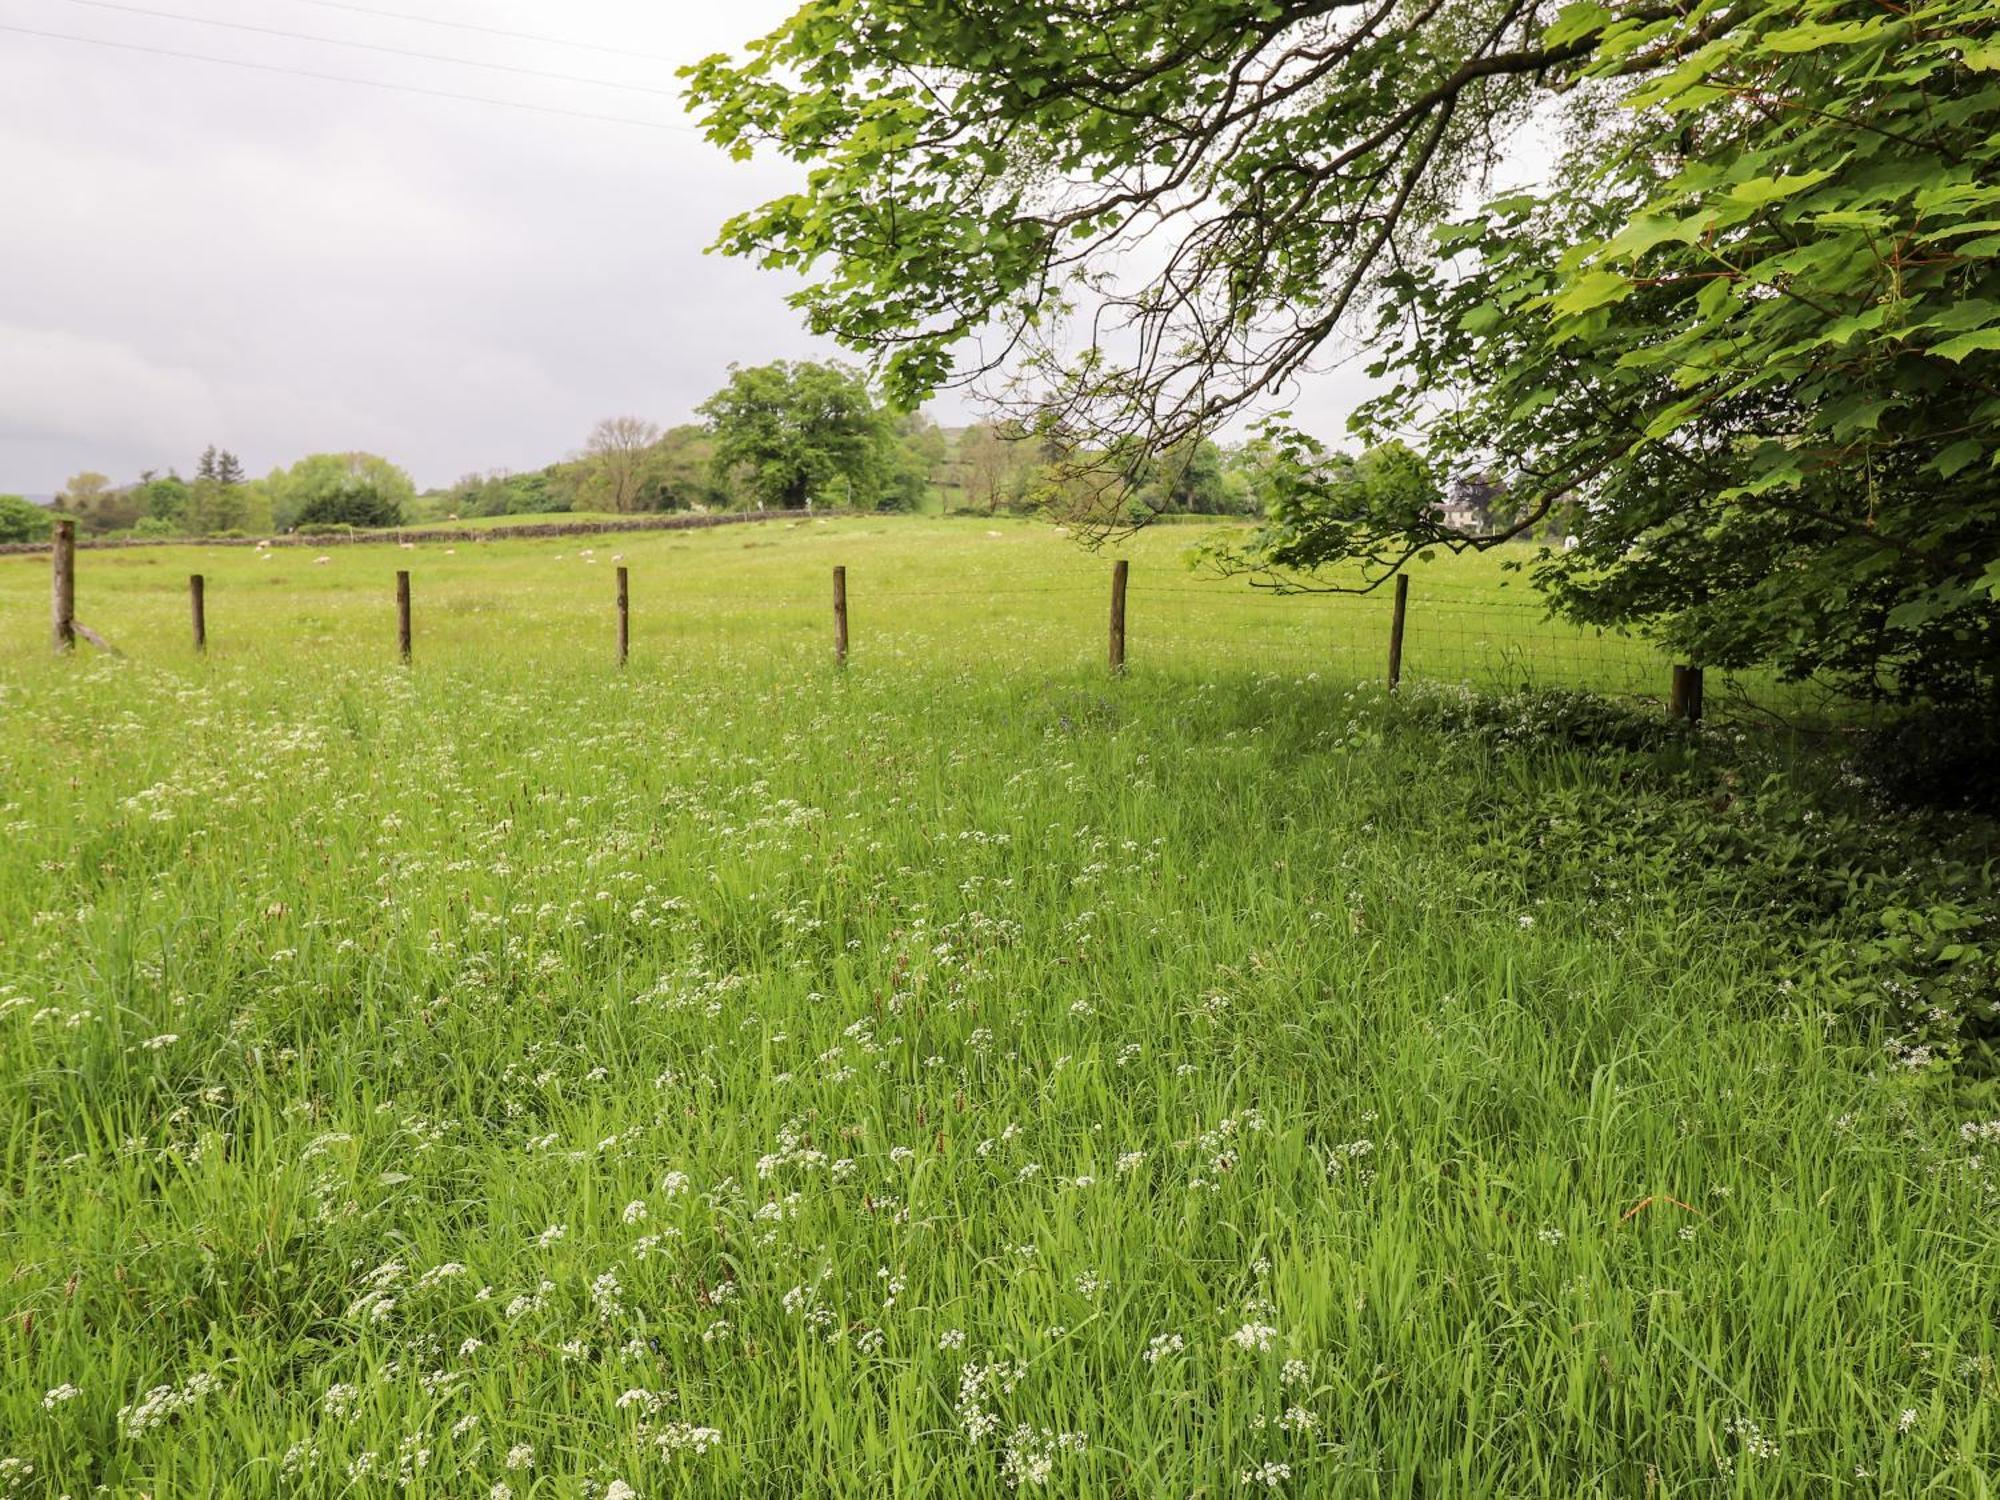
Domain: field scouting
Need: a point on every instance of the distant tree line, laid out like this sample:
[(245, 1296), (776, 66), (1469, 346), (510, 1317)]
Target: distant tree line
[(783, 436), (349, 490)]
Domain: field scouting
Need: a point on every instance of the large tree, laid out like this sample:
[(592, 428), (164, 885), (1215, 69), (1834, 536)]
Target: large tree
[(339, 489), (97, 503), (1213, 181), (1753, 354), (615, 455), (797, 432), (21, 520), (162, 498), (993, 462), (1754, 337)]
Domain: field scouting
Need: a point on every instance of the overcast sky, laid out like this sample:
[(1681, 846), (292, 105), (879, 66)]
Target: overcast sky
[(199, 253)]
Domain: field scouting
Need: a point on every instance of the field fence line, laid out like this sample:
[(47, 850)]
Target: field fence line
[(401, 535), (1441, 637)]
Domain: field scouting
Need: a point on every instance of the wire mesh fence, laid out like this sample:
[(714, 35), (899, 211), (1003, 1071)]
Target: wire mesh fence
[(531, 599)]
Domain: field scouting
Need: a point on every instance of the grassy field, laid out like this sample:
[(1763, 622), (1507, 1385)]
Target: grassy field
[(961, 1075), (956, 592)]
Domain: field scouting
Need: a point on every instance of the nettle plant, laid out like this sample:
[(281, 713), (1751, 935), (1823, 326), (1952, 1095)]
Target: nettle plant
[(1755, 350)]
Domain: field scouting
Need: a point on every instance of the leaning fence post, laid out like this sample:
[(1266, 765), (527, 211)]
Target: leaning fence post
[(624, 617), (403, 613), (1396, 619), (198, 609), (840, 616), (62, 559), (1685, 700), (1121, 571)]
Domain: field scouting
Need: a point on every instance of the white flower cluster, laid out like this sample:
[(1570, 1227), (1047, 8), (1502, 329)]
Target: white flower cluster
[(980, 1388), (686, 1437), (163, 1403), (1752, 1437), (1268, 1475), (1256, 1338), (1030, 1454)]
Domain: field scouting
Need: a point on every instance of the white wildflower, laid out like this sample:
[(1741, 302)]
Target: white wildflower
[(1255, 1337)]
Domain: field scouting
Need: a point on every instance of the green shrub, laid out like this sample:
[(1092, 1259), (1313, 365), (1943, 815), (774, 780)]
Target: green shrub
[(357, 507), (1936, 759), (22, 520)]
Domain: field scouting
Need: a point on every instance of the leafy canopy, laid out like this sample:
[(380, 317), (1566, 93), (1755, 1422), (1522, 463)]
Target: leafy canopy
[(1218, 178), (797, 432), (1759, 344), (21, 520), (1751, 343), (340, 489)]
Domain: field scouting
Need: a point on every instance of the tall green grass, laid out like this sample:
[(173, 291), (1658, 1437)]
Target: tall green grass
[(960, 1074), (963, 589)]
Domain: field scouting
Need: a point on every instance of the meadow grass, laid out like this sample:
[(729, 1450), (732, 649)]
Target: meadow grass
[(966, 587), (959, 1075)]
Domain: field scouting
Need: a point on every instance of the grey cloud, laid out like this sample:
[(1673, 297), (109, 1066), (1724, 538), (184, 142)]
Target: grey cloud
[(200, 254)]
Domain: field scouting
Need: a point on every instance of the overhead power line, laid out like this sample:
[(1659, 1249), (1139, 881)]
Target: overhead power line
[(366, 83), (335, 41), (518, 36)]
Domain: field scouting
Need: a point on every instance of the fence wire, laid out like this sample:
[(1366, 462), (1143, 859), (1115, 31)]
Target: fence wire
[(1057, 615)]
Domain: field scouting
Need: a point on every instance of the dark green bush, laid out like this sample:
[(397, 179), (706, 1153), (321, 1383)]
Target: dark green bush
[(358, 507), (1936, 759)]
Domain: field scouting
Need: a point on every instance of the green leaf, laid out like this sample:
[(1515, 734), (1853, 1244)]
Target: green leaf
[(1810, 38), (1533, 402), (1593, 289), (1647, 230), (1956, 349), (1574, 22), (1761, 190), (1970, 313), (1958, 455)]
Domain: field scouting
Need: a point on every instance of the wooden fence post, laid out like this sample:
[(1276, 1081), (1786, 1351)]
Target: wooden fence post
[(62, 559), (840, 616), (403, 613), (198, 609), (624, 616), (1685, 700), (1396, 620), (1121, 572)]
